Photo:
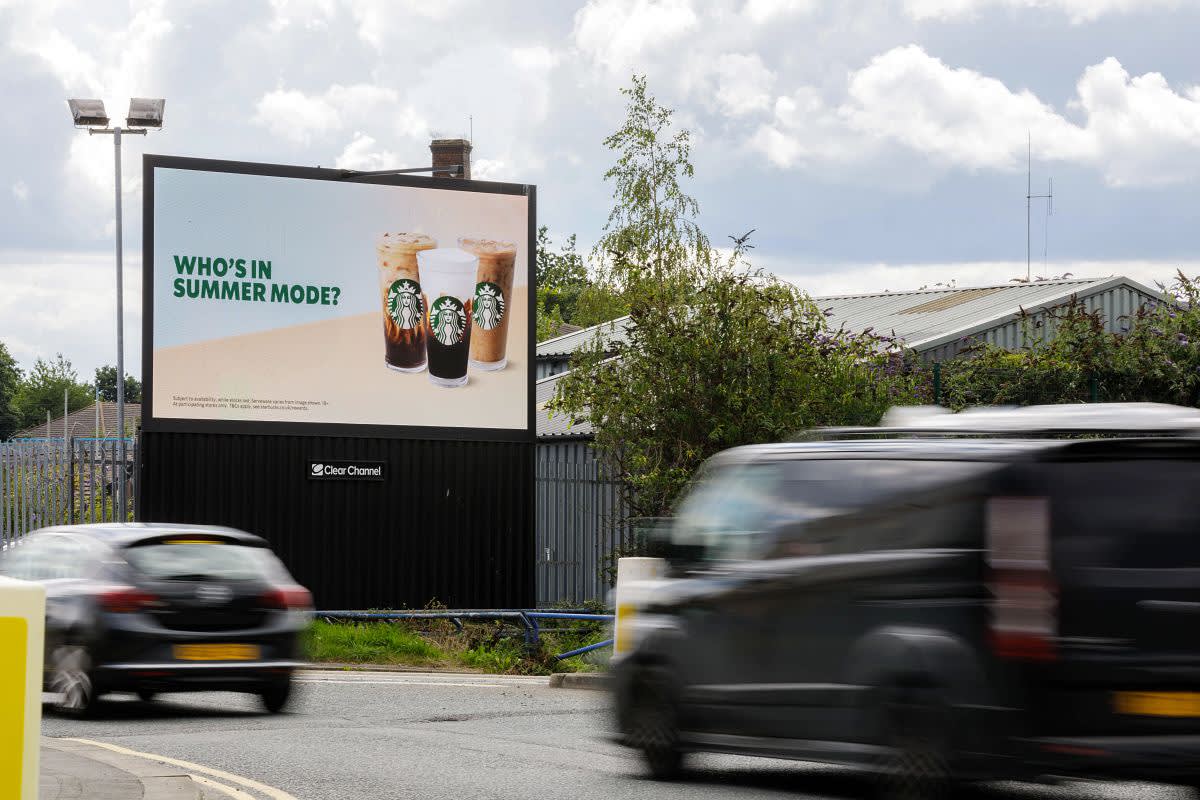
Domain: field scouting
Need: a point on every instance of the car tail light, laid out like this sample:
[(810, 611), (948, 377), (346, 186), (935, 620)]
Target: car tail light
[(287, 598), (126, 600), (1024, 607)]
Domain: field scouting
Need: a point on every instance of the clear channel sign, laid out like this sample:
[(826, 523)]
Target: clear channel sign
[(296, 299)]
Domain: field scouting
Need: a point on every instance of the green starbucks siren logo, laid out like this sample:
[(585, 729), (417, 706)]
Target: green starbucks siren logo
[(447, 320), (404, 303), (488, 308)]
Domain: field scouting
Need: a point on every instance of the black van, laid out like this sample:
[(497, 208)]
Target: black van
[(932, 608)]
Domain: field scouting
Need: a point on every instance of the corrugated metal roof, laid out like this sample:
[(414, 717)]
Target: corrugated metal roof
[(82, 422), (559, 424), (568, 344), (923, 319)]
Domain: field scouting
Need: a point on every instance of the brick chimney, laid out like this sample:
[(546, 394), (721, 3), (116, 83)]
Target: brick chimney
[(447, 153)]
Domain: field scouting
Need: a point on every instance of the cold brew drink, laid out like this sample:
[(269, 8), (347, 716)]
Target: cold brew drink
[(403, 301), (449, 279), (493, 296)]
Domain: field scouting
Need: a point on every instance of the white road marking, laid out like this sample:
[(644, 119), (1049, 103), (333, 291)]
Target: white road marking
[(407, 683), (236, 794), (249, 783), (419, 678)]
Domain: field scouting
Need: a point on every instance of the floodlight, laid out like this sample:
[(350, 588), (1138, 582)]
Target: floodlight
[(145, 112), (88, 112)]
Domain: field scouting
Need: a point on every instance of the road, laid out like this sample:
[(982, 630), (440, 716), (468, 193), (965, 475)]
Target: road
[(432, 736)]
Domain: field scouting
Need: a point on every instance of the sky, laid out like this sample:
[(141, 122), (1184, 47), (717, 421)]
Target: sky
[(871, 144)]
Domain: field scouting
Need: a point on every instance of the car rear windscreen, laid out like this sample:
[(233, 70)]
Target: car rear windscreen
[(203, 561)]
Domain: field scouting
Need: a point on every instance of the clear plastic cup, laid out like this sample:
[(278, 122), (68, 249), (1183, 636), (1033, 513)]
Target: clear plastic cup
[(448, 279)]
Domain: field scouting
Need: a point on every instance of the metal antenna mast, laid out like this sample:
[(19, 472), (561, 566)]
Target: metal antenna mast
[(1029, 198)]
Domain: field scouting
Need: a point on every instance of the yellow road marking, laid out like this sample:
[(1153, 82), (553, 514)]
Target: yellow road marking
[(249, 783), (237, 794)]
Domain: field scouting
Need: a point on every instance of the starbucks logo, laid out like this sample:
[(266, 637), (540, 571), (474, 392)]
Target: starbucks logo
[(488, 307), (404, 303), (447, 320)]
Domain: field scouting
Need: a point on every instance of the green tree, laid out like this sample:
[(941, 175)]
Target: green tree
[(106, 384), (43, 388), (718, 354), (10, 382), (566, 293), (651, 235)]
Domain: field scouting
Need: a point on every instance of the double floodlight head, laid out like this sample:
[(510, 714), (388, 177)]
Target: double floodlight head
[(144, 112)]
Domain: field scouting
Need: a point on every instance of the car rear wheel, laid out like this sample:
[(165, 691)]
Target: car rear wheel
[(276, 694), (71, 680), (147, 695), (918, 737), (654, 724)]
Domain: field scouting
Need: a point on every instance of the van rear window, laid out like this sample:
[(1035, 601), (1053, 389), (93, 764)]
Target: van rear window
[(1140, 513)]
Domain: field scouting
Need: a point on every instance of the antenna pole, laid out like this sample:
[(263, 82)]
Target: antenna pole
[(1028, 196)]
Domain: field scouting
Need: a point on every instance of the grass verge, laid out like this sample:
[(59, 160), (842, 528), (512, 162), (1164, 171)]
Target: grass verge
[(437, 644)]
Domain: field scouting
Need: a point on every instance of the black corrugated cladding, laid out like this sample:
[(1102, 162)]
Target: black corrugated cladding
[(452, 521)]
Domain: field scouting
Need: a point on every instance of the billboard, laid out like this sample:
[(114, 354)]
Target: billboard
[(293, 299)]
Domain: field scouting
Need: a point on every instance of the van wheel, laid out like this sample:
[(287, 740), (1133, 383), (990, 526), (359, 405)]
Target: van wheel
[(275, 695), (916, 731), (654, 723), (71, 680)]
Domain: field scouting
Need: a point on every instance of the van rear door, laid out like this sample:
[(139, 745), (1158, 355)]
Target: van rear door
[(1125, 561)]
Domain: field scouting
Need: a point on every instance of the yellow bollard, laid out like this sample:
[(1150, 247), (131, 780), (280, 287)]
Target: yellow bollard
[(632, 573), (22, 631)]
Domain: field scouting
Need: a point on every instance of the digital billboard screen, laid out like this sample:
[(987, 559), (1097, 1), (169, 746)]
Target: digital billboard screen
[(287, 298)]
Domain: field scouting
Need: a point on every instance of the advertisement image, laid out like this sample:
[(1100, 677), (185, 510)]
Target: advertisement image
[(297, 296)]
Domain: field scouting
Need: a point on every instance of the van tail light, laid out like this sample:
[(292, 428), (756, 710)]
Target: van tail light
[(126, 600), (287, 598), (1024, 605)]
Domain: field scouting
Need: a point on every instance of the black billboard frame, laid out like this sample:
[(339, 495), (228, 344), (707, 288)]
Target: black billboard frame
[(152, 424)]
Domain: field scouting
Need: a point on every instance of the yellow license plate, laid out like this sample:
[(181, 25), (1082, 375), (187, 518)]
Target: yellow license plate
[(1157, 704), (216, 652)]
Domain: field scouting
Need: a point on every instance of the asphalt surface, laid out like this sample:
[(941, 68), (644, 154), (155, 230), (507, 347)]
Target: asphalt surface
[(416, 735)]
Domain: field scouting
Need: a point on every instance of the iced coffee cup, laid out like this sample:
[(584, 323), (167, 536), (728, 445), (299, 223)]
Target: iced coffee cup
[(492, 300), (449, 278), (403, 301)]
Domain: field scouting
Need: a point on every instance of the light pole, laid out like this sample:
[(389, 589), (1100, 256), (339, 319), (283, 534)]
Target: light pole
[(144, 113)]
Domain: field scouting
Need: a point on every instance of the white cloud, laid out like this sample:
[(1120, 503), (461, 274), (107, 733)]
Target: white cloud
[(300, 118), (1078, 11), (1135, 131), (1144, 132), (489, 169), (957, 117), (38, 319), (363, 154), (293, 115), (805, 132), (760, 11), (615, 33), (20, 190), (743, 84)]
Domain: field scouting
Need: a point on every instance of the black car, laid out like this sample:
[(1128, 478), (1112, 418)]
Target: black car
[(151, 608), (932, 608)]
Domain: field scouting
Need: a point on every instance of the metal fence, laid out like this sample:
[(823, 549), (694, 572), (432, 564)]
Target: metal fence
[(54, 482), (581, 522)]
